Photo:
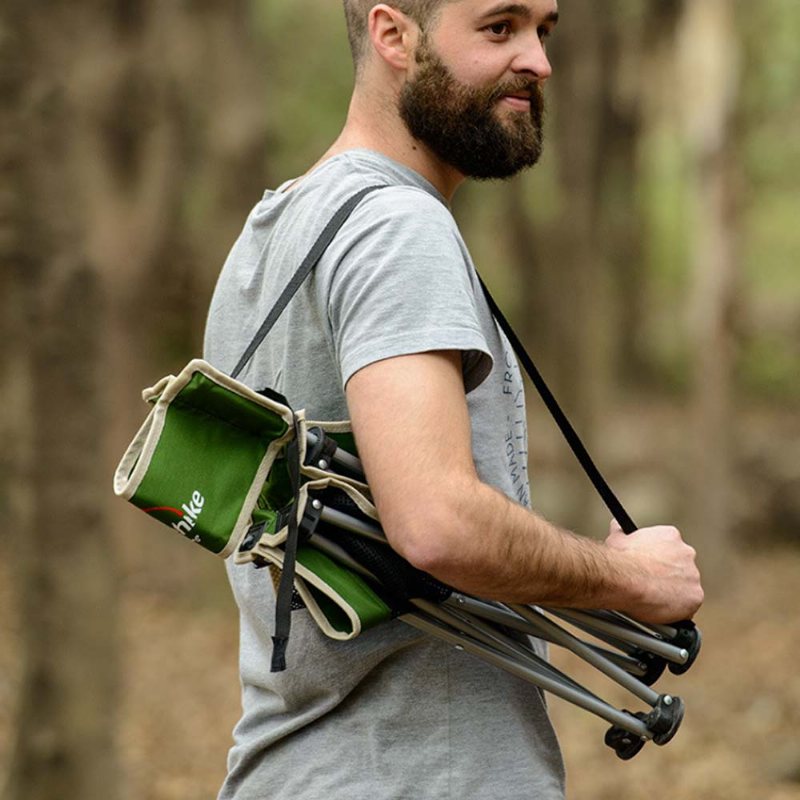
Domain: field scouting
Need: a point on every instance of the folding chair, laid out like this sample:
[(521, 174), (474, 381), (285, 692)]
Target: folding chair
[(242, 474)]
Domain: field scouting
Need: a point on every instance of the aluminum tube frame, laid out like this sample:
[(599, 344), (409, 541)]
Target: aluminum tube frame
[(570, 642), (340, 555), (374, 532), (357, 526), (666, 632), (352, 464), (656, 646), (479, 630), (492, 613), (582, 699)]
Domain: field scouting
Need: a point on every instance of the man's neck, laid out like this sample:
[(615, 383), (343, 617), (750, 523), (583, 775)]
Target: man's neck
[(384, 132)]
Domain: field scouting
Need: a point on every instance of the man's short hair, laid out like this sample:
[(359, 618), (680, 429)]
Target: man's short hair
[(357, 14)]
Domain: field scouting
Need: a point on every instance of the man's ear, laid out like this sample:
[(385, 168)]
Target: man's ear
[(393, 35)]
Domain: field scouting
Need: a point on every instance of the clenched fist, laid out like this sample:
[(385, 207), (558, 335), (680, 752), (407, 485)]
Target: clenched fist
[(664, 582)]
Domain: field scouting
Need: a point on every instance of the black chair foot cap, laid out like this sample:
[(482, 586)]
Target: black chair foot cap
[(624, 743)]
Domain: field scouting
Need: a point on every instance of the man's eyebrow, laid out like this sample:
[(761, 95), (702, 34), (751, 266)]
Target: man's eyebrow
[(519, 10)]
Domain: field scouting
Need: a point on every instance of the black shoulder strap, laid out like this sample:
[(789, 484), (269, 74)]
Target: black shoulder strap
[(303, 271), (283, 600), (573, 440)]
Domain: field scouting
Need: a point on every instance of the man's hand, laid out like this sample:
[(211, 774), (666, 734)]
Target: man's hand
[(666, 570)]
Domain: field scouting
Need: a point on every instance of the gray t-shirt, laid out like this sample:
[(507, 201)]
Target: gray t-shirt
[(392, 714)]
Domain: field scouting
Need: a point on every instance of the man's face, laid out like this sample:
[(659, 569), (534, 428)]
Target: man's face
[(476, 96)]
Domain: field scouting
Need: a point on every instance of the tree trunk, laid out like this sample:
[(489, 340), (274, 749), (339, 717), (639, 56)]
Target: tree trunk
[(709, 57), (114, 114), (61, 539), (576, 353)]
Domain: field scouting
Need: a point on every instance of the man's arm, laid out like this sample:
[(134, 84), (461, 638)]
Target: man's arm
[(410, 419)]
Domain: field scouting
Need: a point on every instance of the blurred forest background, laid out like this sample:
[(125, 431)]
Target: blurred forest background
[(650, 263)]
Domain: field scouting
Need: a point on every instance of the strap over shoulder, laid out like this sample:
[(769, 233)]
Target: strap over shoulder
[(303, 271)]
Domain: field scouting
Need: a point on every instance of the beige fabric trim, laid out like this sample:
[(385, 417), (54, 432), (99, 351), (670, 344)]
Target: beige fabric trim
[(302, 578), (135, 462), (139, 453), (268, 540)]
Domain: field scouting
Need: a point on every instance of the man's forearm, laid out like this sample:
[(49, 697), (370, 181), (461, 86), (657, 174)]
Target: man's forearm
[(482, 543)]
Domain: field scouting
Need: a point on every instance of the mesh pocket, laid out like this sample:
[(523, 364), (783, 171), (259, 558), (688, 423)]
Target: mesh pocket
[(400, 582)]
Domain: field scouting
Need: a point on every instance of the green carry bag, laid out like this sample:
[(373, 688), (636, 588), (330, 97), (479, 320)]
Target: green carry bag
[(200, 461), (210, 462)]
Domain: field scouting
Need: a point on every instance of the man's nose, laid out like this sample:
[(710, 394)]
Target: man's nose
[(533, 59)]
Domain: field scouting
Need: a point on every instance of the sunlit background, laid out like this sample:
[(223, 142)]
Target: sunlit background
[(649, 262)]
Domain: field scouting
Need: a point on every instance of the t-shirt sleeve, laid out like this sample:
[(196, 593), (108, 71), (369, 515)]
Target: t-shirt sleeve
[(403, 286)]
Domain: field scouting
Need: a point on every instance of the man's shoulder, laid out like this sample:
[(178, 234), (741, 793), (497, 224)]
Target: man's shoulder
[(396, 206), (399, 193)]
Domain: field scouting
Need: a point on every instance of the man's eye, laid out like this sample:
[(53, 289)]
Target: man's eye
[(499, 28)]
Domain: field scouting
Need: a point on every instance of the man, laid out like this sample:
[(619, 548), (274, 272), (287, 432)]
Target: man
[(392, 331)]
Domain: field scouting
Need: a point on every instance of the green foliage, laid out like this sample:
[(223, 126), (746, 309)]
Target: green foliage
[(664, 205), (768, 368), (770, 146), (310, 79)]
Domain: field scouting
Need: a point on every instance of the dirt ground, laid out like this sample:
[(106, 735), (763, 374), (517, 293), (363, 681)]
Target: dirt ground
[(741, 736), (740, 739)]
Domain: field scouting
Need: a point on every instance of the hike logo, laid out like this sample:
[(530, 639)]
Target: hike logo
[(188, 514)]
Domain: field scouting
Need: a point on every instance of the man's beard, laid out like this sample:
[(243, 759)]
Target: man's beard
[(462, 126)]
